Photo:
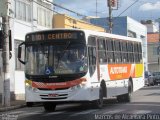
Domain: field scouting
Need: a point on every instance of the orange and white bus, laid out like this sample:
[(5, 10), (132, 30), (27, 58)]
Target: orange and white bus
[(72, 65)]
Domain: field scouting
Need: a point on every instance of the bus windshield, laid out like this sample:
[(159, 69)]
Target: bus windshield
[(50, 59)]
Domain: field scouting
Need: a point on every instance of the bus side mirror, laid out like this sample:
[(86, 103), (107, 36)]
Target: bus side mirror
[(19, 53)]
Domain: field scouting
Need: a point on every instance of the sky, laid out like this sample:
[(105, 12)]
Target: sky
[(141, 10)]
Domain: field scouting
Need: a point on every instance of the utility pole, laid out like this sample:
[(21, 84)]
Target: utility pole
[(96, 8), (112, 5), (5, 54), (110, 16), (4, 8), (159, 44)]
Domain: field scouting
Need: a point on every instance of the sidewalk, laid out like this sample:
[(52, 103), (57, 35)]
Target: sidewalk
[(14, 105)]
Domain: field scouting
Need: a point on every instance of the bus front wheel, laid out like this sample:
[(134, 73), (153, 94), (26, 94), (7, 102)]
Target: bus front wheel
[(29, 104), (49, 106), (99, 103)]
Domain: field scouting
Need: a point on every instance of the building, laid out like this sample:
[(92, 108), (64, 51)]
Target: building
[(27, 16), (64, 21), (153, 52), (152, 27), (126, 26), (153, 45)]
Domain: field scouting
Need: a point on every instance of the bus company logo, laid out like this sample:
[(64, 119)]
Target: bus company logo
[(56, 84), (118, 70)]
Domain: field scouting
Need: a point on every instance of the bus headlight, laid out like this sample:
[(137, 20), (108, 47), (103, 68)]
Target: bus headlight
[(73, 88), (28, 84), (83, 83), (34, 89), (76, 87)]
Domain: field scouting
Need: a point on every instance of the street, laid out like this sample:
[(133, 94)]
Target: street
[(145, 101)]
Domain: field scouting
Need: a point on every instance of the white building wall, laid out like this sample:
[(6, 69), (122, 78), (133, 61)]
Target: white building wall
[(141, 32), (151, 28), (19, 29)]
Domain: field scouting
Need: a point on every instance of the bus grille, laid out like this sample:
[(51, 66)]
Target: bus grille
[(54, 98), (53, 89)]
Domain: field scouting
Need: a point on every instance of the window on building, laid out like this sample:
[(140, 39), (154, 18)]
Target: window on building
[(131, 34), (44, 17), (18, 65), (23, 10)]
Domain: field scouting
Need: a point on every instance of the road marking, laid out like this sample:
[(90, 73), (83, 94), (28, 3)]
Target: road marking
[(15, 112), (156, 105), (31, 113), (84, 112), (114, 111), (140, 112), (54, 113)]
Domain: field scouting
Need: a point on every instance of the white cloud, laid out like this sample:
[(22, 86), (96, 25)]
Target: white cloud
[(150, 6)]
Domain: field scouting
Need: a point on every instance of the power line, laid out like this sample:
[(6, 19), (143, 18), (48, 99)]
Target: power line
[(46, 7), (59, 7), (79, 14), (127, 8)]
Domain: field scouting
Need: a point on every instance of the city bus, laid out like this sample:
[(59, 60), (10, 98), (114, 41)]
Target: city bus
[(74, 65)]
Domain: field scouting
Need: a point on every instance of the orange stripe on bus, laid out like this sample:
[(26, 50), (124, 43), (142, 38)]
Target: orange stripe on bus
[(58, 84)]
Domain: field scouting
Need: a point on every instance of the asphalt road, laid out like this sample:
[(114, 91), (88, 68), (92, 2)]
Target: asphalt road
[(145, 104)]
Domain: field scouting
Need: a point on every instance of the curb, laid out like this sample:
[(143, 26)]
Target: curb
[(4, 109)]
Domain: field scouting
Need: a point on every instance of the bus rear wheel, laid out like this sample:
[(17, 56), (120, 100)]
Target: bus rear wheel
[(49, 106), (126, 97)]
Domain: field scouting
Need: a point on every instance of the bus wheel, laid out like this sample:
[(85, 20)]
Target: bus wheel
[(48, 106), (99, 103), (126, 97), (29, 104)]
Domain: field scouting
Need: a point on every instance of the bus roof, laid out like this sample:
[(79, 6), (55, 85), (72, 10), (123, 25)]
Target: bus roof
[(92, 33)]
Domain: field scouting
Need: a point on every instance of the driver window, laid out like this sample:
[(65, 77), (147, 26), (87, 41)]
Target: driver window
[(92, 54)]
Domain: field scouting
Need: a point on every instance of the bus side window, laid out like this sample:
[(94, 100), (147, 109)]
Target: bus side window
[(124, 51), (136, 57), (140, 52), (92, 59), (130, 52), (102, 51), (117, 52), (110, 50)]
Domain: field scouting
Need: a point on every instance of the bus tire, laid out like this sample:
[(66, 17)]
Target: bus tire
[(126, 97), (99, 103), (29, 104), (49, 106)]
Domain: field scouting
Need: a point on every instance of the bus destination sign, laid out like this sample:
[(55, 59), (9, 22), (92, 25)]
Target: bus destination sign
[(52, 36)]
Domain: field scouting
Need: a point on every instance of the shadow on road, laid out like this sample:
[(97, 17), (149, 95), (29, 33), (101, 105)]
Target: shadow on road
[(151, 87)]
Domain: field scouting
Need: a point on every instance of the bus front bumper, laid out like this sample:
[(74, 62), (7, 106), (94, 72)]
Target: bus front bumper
[(69, 95)]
